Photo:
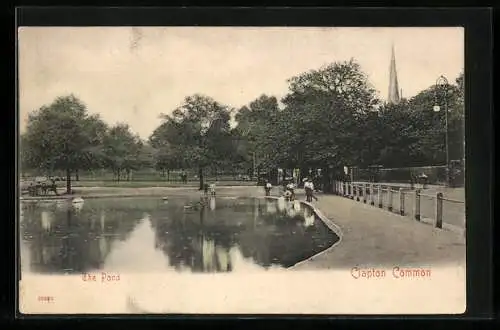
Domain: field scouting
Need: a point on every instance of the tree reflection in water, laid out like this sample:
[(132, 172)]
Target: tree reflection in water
[(63, 238), (194, 239), (269, 237), (200, 238)]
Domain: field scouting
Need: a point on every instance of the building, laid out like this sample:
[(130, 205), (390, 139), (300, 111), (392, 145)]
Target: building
[(394, 95)]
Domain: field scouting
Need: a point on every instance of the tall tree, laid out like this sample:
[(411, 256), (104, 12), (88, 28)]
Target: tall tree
[(166, 156), (324, 115), (200, 128), (414, 135), (256, 124), (62, 136), (122, 150)]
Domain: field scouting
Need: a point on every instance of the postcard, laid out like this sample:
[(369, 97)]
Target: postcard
[(241, 170)]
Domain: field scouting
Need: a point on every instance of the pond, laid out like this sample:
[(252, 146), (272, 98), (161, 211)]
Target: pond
[(139, 235)]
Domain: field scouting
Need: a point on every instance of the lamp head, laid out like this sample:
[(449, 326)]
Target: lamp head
[(436, 108)]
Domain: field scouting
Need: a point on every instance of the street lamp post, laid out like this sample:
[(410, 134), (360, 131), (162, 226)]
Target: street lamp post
[(442, 84)]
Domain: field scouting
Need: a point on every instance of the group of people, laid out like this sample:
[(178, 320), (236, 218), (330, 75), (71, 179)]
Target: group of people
[(43, 187), (289, 190)]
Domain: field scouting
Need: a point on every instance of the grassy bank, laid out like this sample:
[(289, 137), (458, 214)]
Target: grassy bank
[(146, 184), (118, 192)]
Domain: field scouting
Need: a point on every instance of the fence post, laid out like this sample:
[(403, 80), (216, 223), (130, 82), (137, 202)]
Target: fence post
[(357, 192), (379, 195), (401, 202), (364, 193), (439, 210), (372, 195), (389, 198), (416, 207)]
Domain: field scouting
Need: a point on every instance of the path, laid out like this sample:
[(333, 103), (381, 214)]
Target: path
[(376, 237)]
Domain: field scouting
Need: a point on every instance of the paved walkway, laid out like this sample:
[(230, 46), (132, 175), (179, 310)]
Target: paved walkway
[(375, 237)]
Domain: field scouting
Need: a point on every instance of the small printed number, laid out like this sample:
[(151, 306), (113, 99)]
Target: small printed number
[(46, 298)]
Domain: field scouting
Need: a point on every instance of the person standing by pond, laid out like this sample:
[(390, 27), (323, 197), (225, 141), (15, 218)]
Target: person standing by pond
[(291, 188), (309, 188), (212, 189), (268, 187), (53, 186)]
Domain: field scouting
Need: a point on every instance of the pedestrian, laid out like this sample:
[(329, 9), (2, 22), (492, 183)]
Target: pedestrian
[(423, 179), (310, 188), (53, 186), (212, 189), (205, 189), (32, 189), (307, 189), (291, 188), (288, 195), (268, 187)]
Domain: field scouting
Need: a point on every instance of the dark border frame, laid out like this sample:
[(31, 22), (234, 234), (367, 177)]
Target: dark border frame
[(478, 122)]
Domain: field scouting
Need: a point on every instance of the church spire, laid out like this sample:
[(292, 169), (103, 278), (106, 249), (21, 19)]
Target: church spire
[(394, 96)]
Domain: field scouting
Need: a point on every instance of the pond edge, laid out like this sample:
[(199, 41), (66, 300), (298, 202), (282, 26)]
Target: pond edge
[(328, 222)]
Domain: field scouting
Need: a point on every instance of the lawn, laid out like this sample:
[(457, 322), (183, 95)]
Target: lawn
[(145, 184)]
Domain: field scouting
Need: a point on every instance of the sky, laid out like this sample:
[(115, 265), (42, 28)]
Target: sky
[(133, 74)]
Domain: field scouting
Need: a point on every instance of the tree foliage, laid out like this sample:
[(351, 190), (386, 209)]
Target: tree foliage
[(321, 121), (200, 129), (330, 117), (123, 151), (62, 136)]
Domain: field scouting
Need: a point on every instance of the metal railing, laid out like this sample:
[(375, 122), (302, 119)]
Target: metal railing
[(406, 202)]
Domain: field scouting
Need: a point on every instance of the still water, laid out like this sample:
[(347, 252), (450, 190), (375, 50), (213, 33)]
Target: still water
[(153, 235)]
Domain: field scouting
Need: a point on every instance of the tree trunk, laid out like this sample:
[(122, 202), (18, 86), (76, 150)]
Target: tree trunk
[(118, 175), (68, 181), (128, 174), (168, 175), (200, 175), (303, 173), (325, 173), (77, 176)]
